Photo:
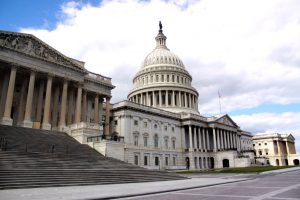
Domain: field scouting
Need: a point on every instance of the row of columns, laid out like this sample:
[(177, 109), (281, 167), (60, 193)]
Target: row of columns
[(199, 138), (202, 162), (161, 78), (26, 113), (166, 98)]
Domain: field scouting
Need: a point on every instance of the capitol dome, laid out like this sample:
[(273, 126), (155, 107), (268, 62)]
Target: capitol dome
[(163, 82)]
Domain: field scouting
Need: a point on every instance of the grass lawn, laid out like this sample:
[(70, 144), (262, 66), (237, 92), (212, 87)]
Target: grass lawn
[(255, 169)]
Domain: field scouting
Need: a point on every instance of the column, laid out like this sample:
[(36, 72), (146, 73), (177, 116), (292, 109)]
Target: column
[(6, 119), (218, 139), (225, 139), (78, 104), (3, 94), (27, 118), (190, 100), (147, 99), (231, 140), (96, 109), (40, 102), (107, 115), (190, 137), (287, 148), (214, 140), (207, 138), (185, 100), (153, 98), (234, 139), (195, 138), (173, 98), (70, 106), (84, 106), (101, 112), (22, 103), (204, 140), (200, 139), (228, 140), (46, 125), (142, 99), (160, 99), (55, 107), (62, 118), (221, 139), (179, 99), (167, 98)]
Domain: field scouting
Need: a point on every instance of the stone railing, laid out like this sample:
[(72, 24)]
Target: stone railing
[(105, 137), (194, 116), (85, 125), (98, 78)]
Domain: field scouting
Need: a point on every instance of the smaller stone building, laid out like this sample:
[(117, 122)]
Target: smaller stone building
[(275, 149)]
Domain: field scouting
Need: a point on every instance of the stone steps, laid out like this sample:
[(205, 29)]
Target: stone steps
[(71, 163)]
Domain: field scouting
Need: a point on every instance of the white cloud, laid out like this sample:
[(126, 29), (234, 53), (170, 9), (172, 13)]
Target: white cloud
[(287, 122), (249, 50)]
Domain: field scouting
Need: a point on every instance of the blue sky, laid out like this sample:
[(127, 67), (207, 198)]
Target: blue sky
[(248, 50)]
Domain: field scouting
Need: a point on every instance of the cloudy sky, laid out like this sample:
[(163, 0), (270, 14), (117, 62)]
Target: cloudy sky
[(249, 50)]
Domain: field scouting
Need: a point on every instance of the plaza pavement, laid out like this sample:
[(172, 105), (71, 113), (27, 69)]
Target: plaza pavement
[(133, 189)]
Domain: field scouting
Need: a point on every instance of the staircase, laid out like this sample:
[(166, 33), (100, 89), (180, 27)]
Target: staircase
[(40, 158)]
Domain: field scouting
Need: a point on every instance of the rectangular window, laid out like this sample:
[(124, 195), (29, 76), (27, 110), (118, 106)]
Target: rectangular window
[(162, 78), (173, 144), (167, 161), (145, 124), (174, 161), (116, 122), (136, 122), (146, 160), (136, 140), (145, 141), (173, 129), (166, 144), (156, 161), (136, 159), (166, 128)]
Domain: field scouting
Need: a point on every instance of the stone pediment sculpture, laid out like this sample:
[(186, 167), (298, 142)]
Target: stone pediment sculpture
[(225, 119), (31, 45)]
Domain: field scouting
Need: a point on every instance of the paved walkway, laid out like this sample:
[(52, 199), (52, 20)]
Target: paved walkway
[(126, 190)]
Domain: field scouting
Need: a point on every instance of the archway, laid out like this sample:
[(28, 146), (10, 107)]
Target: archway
[(286, 162), (277, 162), (225, 163), (212, 163), (187, 163), (296, 162)]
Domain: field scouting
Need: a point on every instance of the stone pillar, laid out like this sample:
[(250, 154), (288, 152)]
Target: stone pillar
[(218, 139), (6, 119), (190, 101), (195, 138), (287, 148), (204, 140), (234, 139), (200, 139), (96, 109), (62, 118), (228, 140), (147, 99), (153, 98), (214, 140), (27, 118), (231, 140), (142, 99), (78, 104), (173, 98), (84, 106), (190, 137), (55, 107), (107, 115), (185, 100), (40, 102), (207, 138), (3, 94), (46, 125), (101, 110), (225, 139), (179, 99), (160, 99)]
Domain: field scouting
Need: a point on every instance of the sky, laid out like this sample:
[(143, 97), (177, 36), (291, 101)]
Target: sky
[(248, 51)]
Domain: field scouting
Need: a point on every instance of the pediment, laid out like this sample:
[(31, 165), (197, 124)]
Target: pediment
[(32, 46), (226, 120), (291, 137)]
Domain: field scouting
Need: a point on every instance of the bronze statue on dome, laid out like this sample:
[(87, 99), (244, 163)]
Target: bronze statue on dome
[(160, 26)]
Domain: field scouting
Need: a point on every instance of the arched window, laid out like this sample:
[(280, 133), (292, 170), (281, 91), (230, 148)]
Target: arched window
[(156, 141)]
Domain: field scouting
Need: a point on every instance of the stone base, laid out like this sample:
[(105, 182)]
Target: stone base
[(62, 128), (27, 124), (46, 126), (6, 121)]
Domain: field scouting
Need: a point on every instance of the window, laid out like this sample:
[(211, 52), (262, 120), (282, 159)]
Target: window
[(116, 122), (136, 140), (156, 78), (167, 161), (136, 122), (136, 159), (173, 144), (260, 152), (254, 145), (266, 144), (162, 78), (145, 124), (145, 160), (174, 161), (166, 128), (156, 161), (145, 141), (166, 143), (155, 126), (259, 144), (173, 129), (156, 141)]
